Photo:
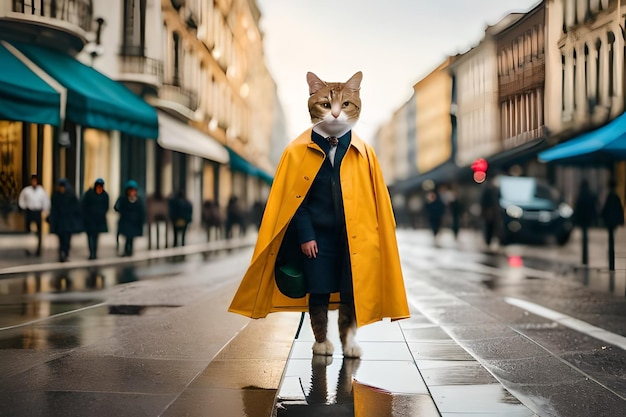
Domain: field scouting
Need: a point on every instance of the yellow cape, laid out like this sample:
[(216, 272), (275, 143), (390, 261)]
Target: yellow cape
[(370, 226)]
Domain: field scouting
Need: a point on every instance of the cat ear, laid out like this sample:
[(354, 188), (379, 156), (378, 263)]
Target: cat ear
[(315, 84), (354, 83)]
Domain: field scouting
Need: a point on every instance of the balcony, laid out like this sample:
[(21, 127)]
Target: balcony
[(176, 100), (141, 70), (61, 24)]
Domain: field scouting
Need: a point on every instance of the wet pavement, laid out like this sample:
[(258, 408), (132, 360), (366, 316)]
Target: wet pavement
[(153, 337)]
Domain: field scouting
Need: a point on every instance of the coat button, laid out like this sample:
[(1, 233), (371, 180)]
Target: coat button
[(306, 178), (298, 196), (353, 236)]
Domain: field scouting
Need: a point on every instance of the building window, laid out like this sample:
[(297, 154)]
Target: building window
[(611, 46), (562, 82), (134, 36), (177, 50), (586, 76), (575, 79), (598, 75)]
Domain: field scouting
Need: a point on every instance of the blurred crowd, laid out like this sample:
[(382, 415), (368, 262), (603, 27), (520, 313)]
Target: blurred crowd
[(68, 215)]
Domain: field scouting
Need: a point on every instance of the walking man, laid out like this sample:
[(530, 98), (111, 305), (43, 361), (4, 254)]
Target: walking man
[(34, 200), (95, 204), (132, 215), (65, 218), (180, 211)]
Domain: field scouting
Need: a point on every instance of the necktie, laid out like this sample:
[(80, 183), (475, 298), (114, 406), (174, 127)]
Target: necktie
[(332, 141)]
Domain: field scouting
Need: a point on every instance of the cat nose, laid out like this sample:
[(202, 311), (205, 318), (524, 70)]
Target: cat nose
[(335, 113)]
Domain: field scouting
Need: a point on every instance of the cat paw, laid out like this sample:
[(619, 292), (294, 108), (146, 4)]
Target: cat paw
[(321, 361), (325, 348), (352, 350)]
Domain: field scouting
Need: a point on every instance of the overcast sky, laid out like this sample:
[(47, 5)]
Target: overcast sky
[(393, 46)]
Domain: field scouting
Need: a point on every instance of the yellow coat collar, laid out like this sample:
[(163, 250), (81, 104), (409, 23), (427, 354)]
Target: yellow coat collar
[(355, 141)]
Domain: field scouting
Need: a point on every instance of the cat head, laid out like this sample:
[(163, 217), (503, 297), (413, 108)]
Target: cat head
[(334, 107)]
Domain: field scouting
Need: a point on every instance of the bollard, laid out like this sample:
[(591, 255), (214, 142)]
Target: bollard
[(611, 249), (585, 243)]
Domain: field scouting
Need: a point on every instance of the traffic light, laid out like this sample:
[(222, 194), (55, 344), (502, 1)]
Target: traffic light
[(479, 167)]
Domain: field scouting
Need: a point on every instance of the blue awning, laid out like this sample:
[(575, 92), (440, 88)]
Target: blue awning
[(238, 163), (24, 96), (605, 144), (93, 99)]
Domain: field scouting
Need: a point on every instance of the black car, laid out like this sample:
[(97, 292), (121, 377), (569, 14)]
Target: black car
[(532, 211)]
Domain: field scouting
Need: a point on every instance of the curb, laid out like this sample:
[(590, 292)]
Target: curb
[(235, 243)]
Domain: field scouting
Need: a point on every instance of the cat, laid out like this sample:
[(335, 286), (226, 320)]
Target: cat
[(334, 109)]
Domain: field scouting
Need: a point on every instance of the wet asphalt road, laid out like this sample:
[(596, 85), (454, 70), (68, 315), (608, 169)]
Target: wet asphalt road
[(71, 341)]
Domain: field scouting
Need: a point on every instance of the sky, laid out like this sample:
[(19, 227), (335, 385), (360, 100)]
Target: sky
[(394, 47)]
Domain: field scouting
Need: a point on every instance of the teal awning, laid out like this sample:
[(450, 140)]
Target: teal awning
[(602, 145), (93, 99), (238, 163), (24, 96)]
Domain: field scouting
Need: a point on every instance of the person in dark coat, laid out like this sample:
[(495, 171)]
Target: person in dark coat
[(65, 218), (613, 216), (132, 212), (490, 210), (234, 215), (435, 209), (180, 213), (585, 212), (94, 205)]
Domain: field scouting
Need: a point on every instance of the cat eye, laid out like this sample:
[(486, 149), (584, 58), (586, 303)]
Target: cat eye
[(346, 103), (326, 105)]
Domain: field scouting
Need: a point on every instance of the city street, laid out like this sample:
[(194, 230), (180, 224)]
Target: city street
[(491, 334)]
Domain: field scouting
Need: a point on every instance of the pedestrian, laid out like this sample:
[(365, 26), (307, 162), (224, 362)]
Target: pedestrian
[(180, 213), (613, 216), (329, 193), (65, 217), (234, 216), (490, 210), (34, 201), (212, 218), (456, 210), (435, 209), (132, 212), (94, 206), (585, 212)]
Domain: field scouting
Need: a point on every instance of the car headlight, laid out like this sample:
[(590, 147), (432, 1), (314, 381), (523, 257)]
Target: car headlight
[(566, 211), (514, 212)]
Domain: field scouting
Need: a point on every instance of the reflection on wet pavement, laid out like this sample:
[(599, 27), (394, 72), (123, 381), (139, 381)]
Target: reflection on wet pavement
[(384, 383)]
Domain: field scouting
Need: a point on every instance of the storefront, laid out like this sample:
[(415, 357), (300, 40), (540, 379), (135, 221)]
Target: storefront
[(62, 119)]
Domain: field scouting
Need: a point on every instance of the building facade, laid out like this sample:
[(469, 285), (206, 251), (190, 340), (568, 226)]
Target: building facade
[(198, 64), (92, 113), (201, 64), (433, 96), (475, 98), (521, 78)]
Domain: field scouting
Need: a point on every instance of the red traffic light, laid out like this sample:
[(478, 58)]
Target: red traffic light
[(480, 165)]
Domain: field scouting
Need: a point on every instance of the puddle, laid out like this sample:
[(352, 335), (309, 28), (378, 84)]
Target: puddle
[(139, 310), (375, 402), (14, 313), (325, 391)]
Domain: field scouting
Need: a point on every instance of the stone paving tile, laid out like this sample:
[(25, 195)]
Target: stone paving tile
[(223, 402), (393, 376), (106, 374), (590, 399), (439, 351), (516, 347), (486, 399), (540, 370), (374, 402), (454, 373), (81, 404), (426, 334)]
